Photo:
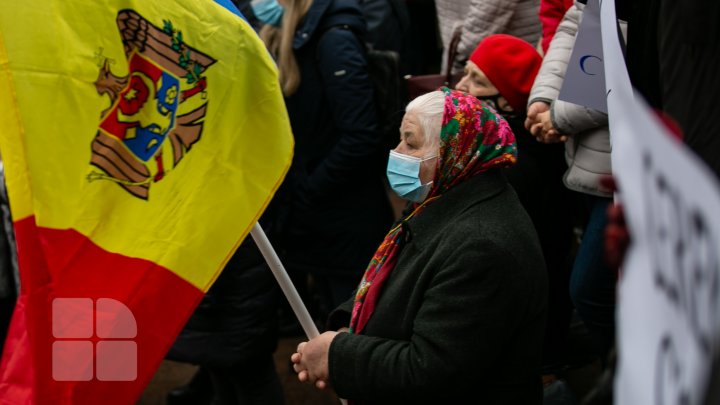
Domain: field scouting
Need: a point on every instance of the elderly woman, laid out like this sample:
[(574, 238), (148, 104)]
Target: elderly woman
[(452, 305)]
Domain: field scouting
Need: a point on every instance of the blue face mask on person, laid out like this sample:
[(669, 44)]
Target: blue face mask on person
[(403, 172), (268, 12)]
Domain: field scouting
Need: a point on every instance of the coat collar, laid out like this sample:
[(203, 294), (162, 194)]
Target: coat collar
[(326, 14), (453, 203), (310, 23)]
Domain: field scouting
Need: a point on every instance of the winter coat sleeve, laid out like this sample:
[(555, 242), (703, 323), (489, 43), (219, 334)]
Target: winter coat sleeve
[(468, 310), (572, 119), (343, 69), (552, 72), (485, 17)]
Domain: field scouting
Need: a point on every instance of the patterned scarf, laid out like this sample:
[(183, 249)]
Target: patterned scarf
[(474, 139)]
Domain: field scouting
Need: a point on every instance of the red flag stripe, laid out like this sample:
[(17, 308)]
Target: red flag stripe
[(66, 264)]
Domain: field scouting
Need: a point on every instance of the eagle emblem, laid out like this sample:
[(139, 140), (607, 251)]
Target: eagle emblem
[(156, 112)]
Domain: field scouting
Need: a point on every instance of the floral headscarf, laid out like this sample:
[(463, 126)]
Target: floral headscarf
[(474, 138)]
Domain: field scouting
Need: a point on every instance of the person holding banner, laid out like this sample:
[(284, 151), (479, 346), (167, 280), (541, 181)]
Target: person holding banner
[(452, 305), (501, 71), (587, 149)]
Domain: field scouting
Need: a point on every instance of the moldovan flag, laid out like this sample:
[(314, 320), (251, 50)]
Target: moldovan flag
[(141, 139)]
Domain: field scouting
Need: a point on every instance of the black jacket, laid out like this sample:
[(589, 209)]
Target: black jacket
[(672, 56), (236, 321), (461, 316), (332, 206)]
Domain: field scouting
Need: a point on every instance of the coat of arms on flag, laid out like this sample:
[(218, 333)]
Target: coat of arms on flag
[(163, 98), (133, 175)]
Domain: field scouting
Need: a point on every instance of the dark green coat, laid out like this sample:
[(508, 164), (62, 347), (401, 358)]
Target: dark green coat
[(461, 317)]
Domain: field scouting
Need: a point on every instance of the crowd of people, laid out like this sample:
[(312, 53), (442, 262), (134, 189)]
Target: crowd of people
[(468, 291), (471, 288)]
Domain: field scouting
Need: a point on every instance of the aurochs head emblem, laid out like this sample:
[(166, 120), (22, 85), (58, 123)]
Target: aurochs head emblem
[(156, 112)]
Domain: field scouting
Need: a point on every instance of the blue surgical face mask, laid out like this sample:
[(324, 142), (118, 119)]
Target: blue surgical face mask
[(403, 172), (268, 11)]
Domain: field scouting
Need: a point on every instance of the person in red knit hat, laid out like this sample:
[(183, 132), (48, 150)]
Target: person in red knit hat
[(501, 71)]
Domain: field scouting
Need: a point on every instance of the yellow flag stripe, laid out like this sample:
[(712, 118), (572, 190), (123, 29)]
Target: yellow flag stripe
[(203, 92), (11, 144)]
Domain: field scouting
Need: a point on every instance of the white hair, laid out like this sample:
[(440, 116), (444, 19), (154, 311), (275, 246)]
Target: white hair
[(429, 109)]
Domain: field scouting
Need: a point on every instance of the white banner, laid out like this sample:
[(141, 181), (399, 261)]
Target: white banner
[(584, 82), (669, 294)]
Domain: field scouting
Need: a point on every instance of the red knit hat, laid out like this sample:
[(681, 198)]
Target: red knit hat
[(511, 64)]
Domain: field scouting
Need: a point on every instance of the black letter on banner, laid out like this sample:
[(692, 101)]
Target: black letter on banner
[(702, 273), (669, 376)]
